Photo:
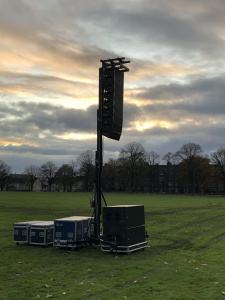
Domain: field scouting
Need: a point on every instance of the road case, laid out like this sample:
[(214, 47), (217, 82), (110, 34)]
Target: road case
[(72, 231), (21, 231), (123, 228), (41, 233)]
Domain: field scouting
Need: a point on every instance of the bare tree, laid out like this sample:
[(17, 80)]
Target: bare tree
[(110, 175), (72, 179), (191, 159), (47, 171), (86, 165), (123, 175), (188, 151), (152, 159), (66, 176), (196, 174), (32, 172), (5, 171), (133, 158), (169, 158), (218, 158), (170, 172)]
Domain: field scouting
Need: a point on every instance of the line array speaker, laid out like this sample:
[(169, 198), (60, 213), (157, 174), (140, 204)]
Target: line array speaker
[(112, 110)]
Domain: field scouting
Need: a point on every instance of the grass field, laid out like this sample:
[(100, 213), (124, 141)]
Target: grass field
[(185, 260)]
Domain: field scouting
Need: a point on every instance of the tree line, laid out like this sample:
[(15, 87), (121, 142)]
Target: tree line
[(49, 173), (188, 170)]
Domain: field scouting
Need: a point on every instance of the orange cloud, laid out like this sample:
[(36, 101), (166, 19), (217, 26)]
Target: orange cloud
[(16, 142)]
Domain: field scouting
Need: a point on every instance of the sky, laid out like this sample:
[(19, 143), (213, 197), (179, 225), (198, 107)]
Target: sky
[(50, 52)]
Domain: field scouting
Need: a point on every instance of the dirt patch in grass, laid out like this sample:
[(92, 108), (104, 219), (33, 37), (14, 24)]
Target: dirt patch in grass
[(215, 240), (198, 223), (206, 229), (182, 209)]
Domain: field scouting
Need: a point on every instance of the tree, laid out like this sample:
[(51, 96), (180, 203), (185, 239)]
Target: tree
[(169, 158), (218, 158), (132, 157), (188, 164), (152, 159), (47, 171), (189, 151), (86, 164), (32, 172), (123, 175), (199, 176), (5, 171), (72, 179), (110, 175), (169, 182), (203, 174), (66, 176)]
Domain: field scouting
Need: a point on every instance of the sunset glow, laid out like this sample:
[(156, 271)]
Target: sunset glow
[(50, 54)]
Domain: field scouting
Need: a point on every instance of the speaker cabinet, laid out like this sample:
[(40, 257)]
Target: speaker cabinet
[(112, 111), (123, 216), (125, 236), (123, 228)]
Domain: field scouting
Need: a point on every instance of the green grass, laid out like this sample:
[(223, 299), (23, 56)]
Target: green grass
[(186, 258)]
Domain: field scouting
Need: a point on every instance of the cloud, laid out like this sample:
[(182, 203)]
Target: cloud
[(199, 100), (50, 54), (34, 119)]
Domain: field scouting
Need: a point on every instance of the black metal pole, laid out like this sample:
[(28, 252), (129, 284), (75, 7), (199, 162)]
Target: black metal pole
[(98, 159)]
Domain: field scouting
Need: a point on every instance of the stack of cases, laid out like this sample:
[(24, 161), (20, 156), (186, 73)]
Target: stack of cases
[(21, 231), (33, 232), (123, 228), (72, 231)]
